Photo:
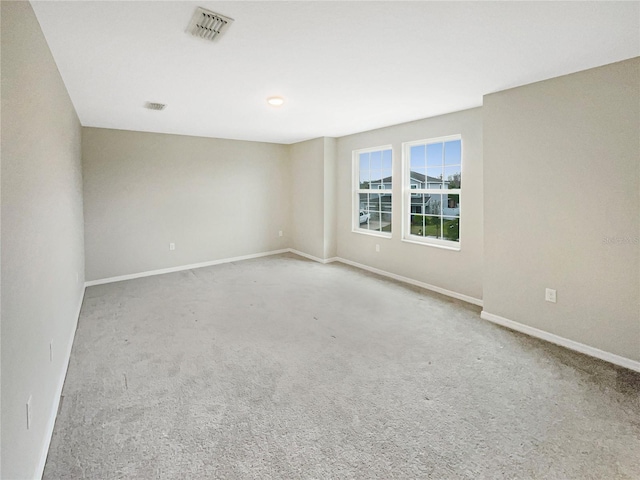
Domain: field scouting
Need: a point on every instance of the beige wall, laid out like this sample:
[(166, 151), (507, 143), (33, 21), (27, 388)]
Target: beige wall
[(213, 198), (313, 212), (456, 271), (307, 197), (562, 206), (330, 203), (42, 242)]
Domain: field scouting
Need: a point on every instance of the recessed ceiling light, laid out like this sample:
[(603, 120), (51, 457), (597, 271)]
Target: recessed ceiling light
[(275, 101)]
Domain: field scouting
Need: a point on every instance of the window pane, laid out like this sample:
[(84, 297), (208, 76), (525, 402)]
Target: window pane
[(451, 229), (417, 176), (364, 178), (452, 177), (434, 154), (417, 155), (385, 222), (432, 227), (419, 203), (370, 215), (433, 205), (417, 225), (376, 160), (451, 205), (434, 178), (452, 152), (364, 161), (386, 159), (363, 208), (374, 221), (386, 176)]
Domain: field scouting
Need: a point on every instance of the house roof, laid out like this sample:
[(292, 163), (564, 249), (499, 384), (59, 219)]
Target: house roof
[(424, 178), (417, 176)]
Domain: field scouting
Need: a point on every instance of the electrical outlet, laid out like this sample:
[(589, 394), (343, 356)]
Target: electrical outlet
[(279, 233), (29, 413), (377, 247), (550, 295), (172, 246)]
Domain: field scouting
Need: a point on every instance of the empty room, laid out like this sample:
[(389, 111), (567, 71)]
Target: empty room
[(320, 240)]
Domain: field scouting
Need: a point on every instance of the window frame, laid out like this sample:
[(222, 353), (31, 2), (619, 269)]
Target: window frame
[(408, 192), (356, 191)]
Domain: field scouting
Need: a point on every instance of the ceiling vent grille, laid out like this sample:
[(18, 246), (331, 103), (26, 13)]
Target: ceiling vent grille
[(207, 24)]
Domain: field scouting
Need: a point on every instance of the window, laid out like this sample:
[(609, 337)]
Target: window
[(432, 171), (371, 208)]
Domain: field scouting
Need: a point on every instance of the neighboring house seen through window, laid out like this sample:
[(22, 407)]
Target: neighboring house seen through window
[(432, 185), (372, 172)]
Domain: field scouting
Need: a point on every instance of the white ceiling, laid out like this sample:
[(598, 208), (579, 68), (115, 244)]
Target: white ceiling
[(342, 67)]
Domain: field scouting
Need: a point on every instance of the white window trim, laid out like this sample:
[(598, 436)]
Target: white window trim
[(356, 191), (407, 192)]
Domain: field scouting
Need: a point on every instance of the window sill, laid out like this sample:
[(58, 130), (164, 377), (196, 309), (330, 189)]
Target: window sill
[(454, 245), (372, 233)]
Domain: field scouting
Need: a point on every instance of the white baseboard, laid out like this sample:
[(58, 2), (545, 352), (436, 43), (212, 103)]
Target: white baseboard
[(56, 402), (400, 278), (459, 296), (563, 342), (312, 257), (182, 267)]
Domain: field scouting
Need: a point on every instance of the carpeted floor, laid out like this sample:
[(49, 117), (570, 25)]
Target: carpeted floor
[(284, 368)]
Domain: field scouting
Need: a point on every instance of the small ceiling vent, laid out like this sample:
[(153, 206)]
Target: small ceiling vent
[(154, 106), (207, 24)]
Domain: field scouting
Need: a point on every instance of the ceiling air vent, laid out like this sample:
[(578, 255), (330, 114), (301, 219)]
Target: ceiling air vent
[(207, 24), (154, 106)]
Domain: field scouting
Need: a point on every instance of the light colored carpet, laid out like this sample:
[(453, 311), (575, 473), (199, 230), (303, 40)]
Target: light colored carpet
[(284, 368)]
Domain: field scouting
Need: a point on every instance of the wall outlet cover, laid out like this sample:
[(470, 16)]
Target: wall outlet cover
[(550, 295)]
